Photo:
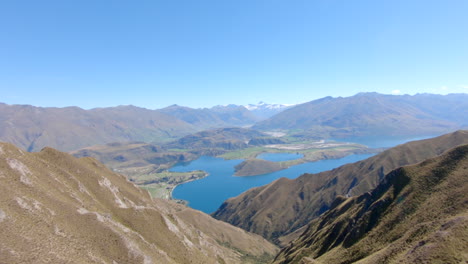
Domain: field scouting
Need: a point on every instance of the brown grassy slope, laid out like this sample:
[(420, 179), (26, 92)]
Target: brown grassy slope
[(252, 167), (133, 154), (279, 208), (70, 128), (55, 208), (417, 214), (223, 138)]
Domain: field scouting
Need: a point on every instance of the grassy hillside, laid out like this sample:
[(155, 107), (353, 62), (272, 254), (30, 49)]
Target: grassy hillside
[(256, 167), (217, 139), (122, 156), (284, 206), (374, 114), (55, 208), (417, 214)]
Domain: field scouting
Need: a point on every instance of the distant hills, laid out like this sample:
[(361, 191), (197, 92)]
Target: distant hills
[(374, 114), (120, 155), (55, 208), (215, 117), (70, 128), (133, 154), (365, 114), (406, 204), (417, 214), (279, 210), (221, 139)]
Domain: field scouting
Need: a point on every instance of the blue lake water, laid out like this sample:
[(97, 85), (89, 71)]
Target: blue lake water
[(209, 193), (279, 156)]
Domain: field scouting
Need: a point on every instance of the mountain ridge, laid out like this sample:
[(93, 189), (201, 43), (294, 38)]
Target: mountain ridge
[(55, 208), (284, 206), (417, 214), (372, 113), (70, 128)]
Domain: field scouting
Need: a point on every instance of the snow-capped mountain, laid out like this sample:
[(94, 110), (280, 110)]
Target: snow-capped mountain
[(263, 110)]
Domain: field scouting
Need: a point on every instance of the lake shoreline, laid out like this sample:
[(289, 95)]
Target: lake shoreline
[(171, 197), (210, 192), (256, 167)]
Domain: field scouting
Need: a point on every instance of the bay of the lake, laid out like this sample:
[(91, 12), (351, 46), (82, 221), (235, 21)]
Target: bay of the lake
[(209, 193)]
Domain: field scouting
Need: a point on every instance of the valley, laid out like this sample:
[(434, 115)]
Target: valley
[(234, 132), (57, 208), (267, 177), (300, 200), (149, 165)]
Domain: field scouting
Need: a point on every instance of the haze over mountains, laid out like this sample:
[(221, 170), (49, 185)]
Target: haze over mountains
[(215, 117), (374, 114), (72, 128)]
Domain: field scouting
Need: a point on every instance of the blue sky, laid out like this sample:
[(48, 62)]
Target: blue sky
[(202, 53)]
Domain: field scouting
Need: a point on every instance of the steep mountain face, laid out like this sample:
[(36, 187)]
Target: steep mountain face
[(209, 118), (375, 114), (55, 208), (71, 128), (263, 110), (417, 214), (284, 206)]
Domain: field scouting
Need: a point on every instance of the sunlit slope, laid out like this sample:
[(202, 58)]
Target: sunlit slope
[(373, 114), (55, 208), (284, 206), (417, 214)]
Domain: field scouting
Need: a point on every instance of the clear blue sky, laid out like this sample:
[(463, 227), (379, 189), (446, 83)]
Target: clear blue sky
[(202, 53)]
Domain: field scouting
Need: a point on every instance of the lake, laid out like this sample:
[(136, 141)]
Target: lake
[(209, 193)]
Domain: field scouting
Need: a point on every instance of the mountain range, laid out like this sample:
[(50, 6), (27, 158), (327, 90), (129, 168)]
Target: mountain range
[(215, 117), (404, 205), (280, 210), (367, 114), (72, 128)]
